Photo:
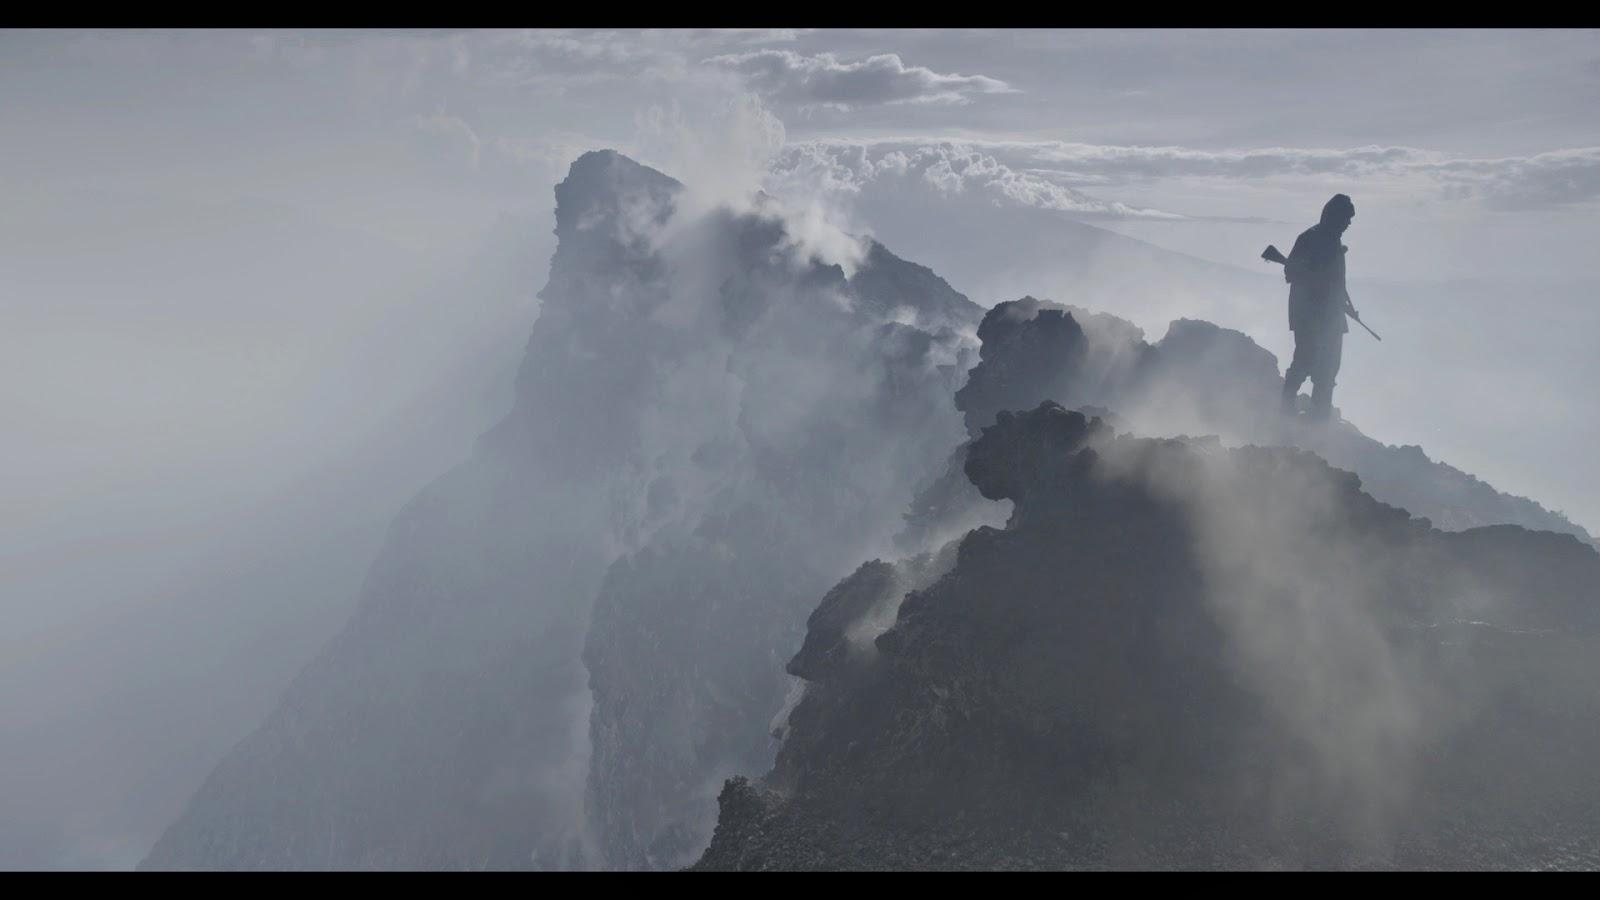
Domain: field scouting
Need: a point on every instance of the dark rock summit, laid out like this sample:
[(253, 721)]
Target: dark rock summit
[(1178, 654)]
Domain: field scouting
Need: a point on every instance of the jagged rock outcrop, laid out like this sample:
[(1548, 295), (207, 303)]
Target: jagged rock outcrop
[(1179, 654), (572, 638), (840, 411), (1204, 379), (445, 726)]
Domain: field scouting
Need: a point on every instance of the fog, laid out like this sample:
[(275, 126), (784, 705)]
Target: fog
[(214, 415), (217, 395), (257, 289)]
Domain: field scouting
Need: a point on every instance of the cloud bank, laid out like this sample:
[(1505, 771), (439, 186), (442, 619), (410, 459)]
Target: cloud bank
[(1050, 174), (947, 168), (826, 80)]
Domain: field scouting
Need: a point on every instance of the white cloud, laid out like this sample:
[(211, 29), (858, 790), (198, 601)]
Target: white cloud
[(948, 167), (754, 35), (1557, 178), (825, 80)]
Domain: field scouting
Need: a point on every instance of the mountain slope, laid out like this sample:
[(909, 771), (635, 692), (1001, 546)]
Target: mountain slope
[(704, 408)]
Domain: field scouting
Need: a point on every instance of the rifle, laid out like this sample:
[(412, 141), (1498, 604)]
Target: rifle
[(1273, 254)]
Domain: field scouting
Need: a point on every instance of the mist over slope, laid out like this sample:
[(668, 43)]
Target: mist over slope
[(705, 409), (1179, 654), (214, 422)]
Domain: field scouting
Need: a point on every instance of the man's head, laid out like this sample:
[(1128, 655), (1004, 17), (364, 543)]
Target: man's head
[(1338, 212)]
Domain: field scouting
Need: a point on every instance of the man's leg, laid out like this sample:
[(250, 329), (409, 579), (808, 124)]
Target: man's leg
[(1299, 368), (1330, 350)]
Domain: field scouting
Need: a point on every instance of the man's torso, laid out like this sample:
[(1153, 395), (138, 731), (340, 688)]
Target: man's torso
[(1316, 277)]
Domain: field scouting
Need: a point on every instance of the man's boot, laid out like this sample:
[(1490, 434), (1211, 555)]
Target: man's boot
[(1291, 398), (1321, 401)]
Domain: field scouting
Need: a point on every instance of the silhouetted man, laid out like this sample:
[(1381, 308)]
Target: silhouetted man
[(1317, 304)]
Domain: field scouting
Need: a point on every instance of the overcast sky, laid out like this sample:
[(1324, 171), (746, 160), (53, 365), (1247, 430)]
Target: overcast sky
[(256, 288)]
